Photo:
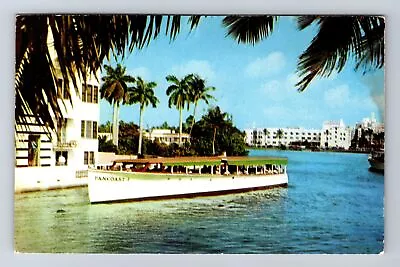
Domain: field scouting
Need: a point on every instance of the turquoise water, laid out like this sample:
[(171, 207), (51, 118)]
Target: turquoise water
[(333, 205)]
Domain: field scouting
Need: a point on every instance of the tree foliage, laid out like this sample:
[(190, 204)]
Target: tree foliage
[(216, 127), (179, 95), (115, 90), (198, 91), (106, 145), (143, 94), (337, 39), (73, 47)]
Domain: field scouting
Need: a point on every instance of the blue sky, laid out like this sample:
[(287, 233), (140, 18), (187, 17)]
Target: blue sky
[(255, 84)]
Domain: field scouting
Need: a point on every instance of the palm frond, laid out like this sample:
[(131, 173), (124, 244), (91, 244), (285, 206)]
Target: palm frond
[(74, 47), (305, 21), (339, 38), (249, 29)]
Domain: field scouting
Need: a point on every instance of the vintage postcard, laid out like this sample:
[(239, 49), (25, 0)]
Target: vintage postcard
[(171, 134)]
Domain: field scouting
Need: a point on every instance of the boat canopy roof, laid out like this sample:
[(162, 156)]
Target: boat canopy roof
[(208, 161)]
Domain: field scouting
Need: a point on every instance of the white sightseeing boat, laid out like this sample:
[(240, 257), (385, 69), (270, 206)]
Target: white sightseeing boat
[(160, 178)]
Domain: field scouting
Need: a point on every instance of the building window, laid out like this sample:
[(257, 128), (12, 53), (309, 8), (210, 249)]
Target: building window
[(61, 158), (62, 130), (91, 157), (89, 129), (83, 92), (82, 128), (61, 91), (88, 157), (96, 94), (90, 93), (95, 129)]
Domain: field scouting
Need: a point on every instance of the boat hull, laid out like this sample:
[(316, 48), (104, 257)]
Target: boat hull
[(116, 186), (376, 165)]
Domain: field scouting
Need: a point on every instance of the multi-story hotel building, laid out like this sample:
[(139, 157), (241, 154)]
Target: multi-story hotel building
[(59, 158), (335, 135), (332, 135), (288, 136)]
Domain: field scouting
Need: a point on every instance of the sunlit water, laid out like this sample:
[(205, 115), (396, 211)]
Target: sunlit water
[(333, 205)]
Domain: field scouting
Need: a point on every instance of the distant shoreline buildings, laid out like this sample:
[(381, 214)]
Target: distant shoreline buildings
[(332, 135)]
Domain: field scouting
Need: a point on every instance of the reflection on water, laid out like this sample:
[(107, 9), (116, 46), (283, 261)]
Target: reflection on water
[(327, 208)]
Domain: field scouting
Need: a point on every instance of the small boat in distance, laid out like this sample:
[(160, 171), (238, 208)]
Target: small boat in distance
[(183, 177), (377, 161)]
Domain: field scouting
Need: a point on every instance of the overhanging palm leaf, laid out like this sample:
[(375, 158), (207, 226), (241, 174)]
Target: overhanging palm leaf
[(249, 29), (339, 38), (73, 46)]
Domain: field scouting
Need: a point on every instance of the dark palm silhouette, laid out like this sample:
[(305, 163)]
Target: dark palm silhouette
[(73, 47), (337, 39)]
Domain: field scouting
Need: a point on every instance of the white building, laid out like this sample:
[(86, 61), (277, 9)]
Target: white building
[(332, 135), (371, 123), (290, 136), (335, 135), (59, 158), (166, 136)]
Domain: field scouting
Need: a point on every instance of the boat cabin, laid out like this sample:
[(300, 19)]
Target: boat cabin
[(204, 165)]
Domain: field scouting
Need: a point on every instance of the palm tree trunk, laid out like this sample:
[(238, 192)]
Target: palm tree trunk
[(140, 131), (115, 125), (213, 144), (194, 118), (180, 126)]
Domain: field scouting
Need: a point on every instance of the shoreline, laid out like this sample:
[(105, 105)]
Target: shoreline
[(308, 150)]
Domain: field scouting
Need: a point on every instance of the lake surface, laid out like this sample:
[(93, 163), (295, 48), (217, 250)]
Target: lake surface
[(333, 205)]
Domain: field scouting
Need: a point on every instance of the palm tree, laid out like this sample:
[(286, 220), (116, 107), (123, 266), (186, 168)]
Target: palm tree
[(217, 119), (82, 42), (143, 93), (279, 135), (179, 95), (198, 91), (114, 90), (338, 38), (74, 47)]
